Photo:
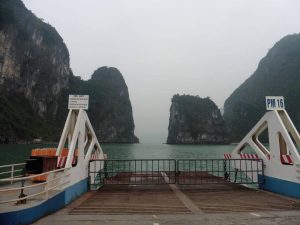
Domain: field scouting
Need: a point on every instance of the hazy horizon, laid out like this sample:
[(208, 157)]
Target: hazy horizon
[(205, 48)]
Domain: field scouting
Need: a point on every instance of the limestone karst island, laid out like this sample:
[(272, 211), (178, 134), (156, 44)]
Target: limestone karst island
[(195, 120)]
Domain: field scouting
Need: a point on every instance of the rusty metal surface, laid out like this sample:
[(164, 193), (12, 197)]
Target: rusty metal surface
[(180, 199), (130, 199), (237, 198)]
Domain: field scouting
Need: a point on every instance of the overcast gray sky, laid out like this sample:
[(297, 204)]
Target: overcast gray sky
[(164, 47)]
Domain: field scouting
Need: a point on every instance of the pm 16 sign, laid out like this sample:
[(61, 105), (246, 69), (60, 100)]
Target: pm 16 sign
[(275, 103)]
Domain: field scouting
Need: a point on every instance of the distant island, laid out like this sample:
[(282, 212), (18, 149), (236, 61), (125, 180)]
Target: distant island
[(195, 120), (36, 79), (278, 74)]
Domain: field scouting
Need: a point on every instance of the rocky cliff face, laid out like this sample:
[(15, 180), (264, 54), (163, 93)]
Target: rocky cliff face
[(110, 108), (35, 79), (34, 60), (195, 120), (278, 74)]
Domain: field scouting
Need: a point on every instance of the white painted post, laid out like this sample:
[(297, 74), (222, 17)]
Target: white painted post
[(46, 190), (12, 173), (74, 138), (64, 134)]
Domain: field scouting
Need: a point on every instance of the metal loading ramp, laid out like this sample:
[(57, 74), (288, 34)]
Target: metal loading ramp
[(129, 199), (171, 198), (186, 186), (237, 198)]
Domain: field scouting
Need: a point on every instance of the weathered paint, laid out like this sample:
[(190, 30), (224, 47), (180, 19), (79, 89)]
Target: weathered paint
[(60, 200), (280, 186), (75, 183), (281, 176)]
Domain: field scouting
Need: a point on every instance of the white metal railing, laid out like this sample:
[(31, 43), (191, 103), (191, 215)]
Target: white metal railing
[(13, 169), (46, 184)]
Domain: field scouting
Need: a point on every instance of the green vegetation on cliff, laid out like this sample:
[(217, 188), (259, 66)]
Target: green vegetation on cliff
[(110, 108), (34, 75), (278, 74), (195, 120), (35, 80)]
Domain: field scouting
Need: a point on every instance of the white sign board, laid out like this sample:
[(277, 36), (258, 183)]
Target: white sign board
[(275, 103), (78, 102)]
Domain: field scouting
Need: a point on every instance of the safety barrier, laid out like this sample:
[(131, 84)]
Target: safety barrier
[(214, 171), (171, 171), (139, 171), (11, 171), (55, 179)]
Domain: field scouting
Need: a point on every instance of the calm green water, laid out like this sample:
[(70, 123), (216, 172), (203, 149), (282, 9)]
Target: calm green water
[(18, 153)]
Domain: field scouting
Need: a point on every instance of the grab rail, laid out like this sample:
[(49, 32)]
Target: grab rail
[(32, 176), (46, 184), (9, 165), (13, 169)]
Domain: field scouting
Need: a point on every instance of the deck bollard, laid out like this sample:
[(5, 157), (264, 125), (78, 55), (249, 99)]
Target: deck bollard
[(22, 195)]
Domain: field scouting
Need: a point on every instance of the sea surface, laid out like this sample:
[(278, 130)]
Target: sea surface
[(19, 153)]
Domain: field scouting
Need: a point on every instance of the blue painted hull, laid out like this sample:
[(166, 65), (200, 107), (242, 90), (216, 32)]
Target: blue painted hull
[(29, 215), (279, 186)]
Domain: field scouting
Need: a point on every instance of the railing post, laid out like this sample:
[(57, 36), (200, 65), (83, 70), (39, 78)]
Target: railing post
[(89, 176), (226, 175), (46, 190), (262, 170), (176, 171), (12, 173), (105, 170)]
